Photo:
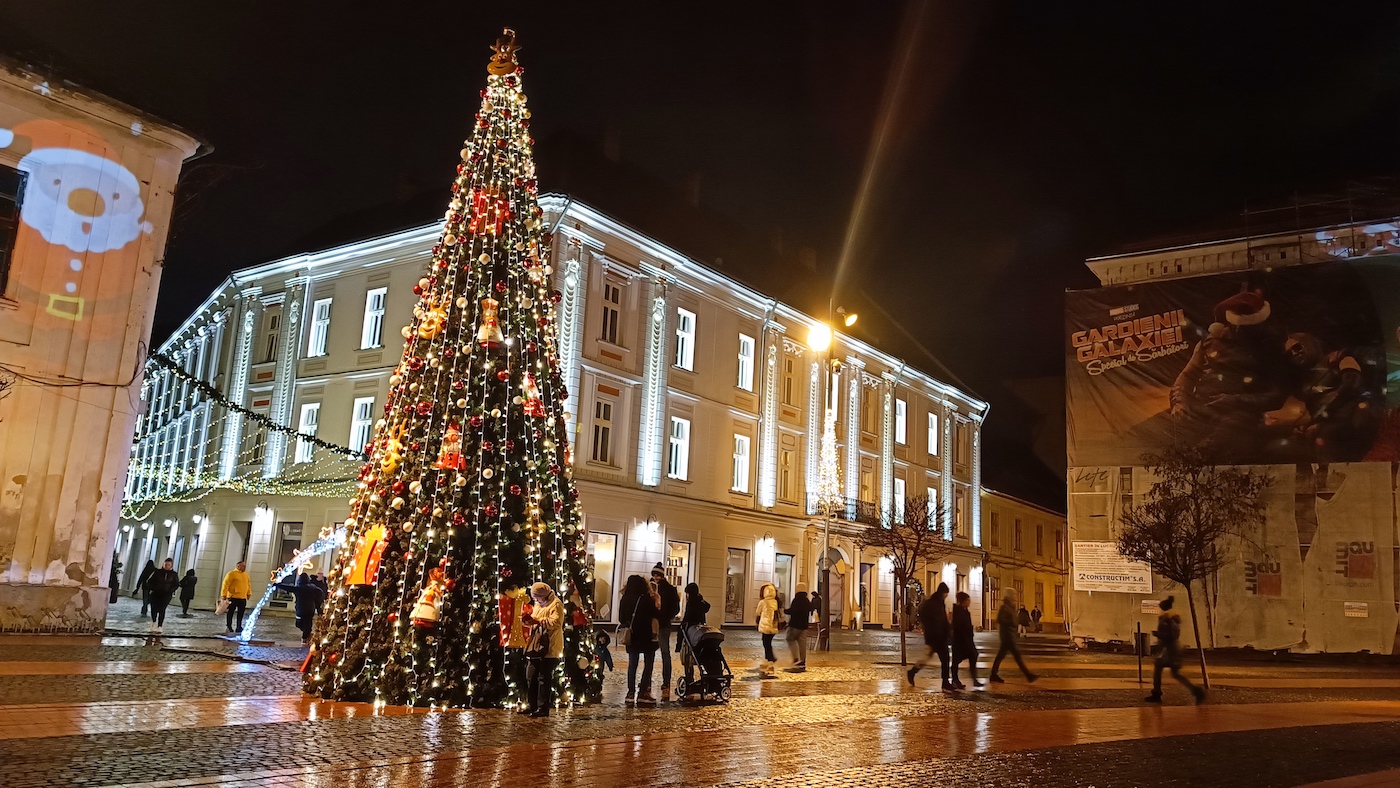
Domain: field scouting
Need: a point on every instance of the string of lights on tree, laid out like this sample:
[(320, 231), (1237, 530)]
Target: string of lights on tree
[(468, 497)]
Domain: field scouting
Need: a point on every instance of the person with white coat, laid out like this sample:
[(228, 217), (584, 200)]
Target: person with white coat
[(545, 649), (766, 616)]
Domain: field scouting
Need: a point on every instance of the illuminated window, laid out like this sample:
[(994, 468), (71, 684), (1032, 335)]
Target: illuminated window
[(602, 559), (1059, 545), (320, 327), (679, 465), (785, 490), (901, 433), (612, 308), (932, 507), (960, 511), (741, 464), (685, 339), (310, 414), (932, 434), (372, 333), (361, 423), (746, 350), (899, 498), (602, 431), (11, 198)]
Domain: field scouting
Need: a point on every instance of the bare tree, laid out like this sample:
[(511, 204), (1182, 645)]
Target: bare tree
[(1181, 528), (911, 539)]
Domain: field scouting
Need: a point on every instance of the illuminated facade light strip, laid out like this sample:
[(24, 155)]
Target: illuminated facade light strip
[(768, 459), (653, 383), (853, 407), (814, 435)]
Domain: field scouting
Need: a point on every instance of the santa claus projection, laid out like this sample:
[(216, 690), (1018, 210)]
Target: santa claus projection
[(82, 213)]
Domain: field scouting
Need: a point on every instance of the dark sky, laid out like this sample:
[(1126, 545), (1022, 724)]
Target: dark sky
[(1027, 135)]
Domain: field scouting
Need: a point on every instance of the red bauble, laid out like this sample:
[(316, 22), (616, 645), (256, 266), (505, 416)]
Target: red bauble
[(415, 363), (425, 408), (458, 518), (543, 321), (509, 445), (399, 487), (475, 421), (501, 143), (558, 506), (531, 346), (574, 493), (393, 616), (492, 510), (487, 446), (515, 489), (503, 375), (459, 384), (500, 287), (556, 296), (538, 434), (554, 469)]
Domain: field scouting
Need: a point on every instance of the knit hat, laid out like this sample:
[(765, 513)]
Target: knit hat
[(801, 588), (1243, 309), (541, 589), (658, 569)]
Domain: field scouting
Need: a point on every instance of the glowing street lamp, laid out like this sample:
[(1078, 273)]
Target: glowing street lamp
[(820, 339)]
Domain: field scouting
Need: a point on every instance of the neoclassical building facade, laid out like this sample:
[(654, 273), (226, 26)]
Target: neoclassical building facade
[(696, 415)]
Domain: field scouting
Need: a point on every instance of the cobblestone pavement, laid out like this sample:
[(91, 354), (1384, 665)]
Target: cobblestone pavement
[(124, 710)]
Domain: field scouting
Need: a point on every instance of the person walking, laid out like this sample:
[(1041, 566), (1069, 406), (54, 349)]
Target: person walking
[(1006, 626), (1168, 634), (640, 608), (309, 598), (1023, 619), (799, 614), (933, 615), (114, 580), (964, 646), (1035, 618), (236, 589), (545, 648), (766, 617), (146, 572), (187, 584), (670, 608), (162, 585)]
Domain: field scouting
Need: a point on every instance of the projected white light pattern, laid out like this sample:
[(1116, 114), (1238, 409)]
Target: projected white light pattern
[(319, 547)]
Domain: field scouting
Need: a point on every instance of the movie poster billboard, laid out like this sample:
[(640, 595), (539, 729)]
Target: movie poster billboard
[(1288, 365)]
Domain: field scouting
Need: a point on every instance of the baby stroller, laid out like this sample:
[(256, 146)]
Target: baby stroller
[(704, 671)]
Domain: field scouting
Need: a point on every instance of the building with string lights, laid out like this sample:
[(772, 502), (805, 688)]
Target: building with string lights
[(696, 419)]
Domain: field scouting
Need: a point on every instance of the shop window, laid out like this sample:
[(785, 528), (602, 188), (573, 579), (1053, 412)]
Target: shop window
[(784, 577), (736, 581), (678, 564), (602, 559)]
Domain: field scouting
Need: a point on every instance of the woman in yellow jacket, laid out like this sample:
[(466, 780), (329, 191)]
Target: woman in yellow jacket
[(766, 616), (548, 615)]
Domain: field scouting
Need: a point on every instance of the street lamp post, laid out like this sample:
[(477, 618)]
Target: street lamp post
[(828, 485)]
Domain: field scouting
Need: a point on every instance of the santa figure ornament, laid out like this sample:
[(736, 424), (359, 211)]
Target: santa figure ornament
[(533, 406), (429, 608), (488, 333), (450, 456)]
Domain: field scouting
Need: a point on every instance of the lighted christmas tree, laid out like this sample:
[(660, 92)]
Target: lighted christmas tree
[(467, 499)]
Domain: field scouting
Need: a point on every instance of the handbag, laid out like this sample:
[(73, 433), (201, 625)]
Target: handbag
[(624, 634), (221, 608), (538, 643)]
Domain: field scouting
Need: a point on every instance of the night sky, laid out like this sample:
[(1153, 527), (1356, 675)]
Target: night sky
[(1024, 138)]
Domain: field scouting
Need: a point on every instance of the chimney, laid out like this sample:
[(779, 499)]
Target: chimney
[(612, 144), (807, 256), (692, 190)]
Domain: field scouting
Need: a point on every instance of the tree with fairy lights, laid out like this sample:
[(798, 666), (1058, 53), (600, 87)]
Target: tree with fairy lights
[(467, 498)]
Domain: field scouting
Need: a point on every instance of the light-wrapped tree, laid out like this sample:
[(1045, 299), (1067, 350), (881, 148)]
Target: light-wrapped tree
[(467, 498)]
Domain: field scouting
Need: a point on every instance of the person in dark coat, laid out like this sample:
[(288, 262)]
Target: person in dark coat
[(187, 584), (670, 608), (309, 598), (964, 647), (639, 610), (1006, 626), (1023, 618), (161, 587), (933, 615), (696, 608), (114, 579), (146, 572), (799, 613), (1168, 634)]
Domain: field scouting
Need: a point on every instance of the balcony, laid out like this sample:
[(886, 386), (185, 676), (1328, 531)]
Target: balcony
[(849, 509)]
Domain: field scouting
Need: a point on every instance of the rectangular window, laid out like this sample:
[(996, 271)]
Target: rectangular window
[(1040, 540), (964, 444), (1059, 545), (310, 414), (679, 465), (783, 577), (1059, 600), (11, 198), (788, 382), (746, 350), (741, 464), (1020, 586), (932, 434), (736, 581), (612, 308), (785, 490), (1016, 536), (867, 414), (602, 431), (899, 499), (685, 339), (602, 559), (867, 485), (960, 511), (320, 327), (996, 530), (1040, 596), (901, 434), (361, 423), (372, 333), (274, 324)]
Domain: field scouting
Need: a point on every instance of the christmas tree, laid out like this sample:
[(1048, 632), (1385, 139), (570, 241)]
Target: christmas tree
[(467, 498)]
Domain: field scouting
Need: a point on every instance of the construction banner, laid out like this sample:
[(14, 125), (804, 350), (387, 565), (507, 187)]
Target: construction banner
[(1258, 367)]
